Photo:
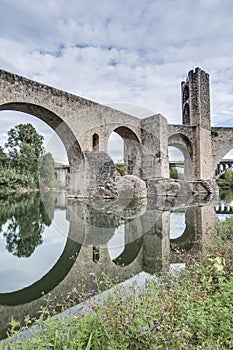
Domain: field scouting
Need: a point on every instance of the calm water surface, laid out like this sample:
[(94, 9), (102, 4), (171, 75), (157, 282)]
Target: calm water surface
[(52, 249)]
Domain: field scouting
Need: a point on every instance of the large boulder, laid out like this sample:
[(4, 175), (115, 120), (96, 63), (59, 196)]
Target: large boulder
[(130, 186)]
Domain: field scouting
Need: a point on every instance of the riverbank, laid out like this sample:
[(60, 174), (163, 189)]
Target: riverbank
[(192, 309)]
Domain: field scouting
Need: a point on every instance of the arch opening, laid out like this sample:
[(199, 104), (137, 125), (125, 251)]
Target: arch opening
[(58, 134), (176, 163), (224, 170), (183, 150), (124, 148), (186, 114)]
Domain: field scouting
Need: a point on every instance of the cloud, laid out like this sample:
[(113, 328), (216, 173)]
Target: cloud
[(129, 52)]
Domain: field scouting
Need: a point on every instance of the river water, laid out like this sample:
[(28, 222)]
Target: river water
[(54, 250)]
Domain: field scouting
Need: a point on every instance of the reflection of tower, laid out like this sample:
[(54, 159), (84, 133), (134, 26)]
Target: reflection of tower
[(156, 247), (196, 113)]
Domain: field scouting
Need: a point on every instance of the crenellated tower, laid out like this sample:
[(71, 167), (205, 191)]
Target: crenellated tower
[(196, 99), (196, 114)]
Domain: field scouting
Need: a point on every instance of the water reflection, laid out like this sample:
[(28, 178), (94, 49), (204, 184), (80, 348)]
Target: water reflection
[(120, 239), (23, 220)]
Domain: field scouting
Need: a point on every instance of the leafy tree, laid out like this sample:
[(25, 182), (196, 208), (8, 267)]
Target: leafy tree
[(174, 173), (121, 168), (229, 176), (25, 148), (3, 157), (47, 175)]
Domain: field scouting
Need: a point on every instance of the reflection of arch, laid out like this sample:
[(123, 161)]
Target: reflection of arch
[(70, 142), (132, 150), (184, 144), (48, 281), (130, 253), (189, 237), (186, 114), (95, 142)]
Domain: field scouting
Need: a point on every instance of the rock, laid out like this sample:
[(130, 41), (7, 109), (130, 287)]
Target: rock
[(130, 186)]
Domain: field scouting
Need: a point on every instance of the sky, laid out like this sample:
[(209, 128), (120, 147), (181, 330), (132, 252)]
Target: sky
[(130, 54)]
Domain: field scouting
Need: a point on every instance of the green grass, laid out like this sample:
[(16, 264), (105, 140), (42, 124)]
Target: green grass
[(191, 310)]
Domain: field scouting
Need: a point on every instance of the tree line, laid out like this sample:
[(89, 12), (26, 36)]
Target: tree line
[(24, 165)]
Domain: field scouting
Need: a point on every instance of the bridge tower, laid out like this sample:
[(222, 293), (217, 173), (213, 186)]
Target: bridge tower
[(196, 114)]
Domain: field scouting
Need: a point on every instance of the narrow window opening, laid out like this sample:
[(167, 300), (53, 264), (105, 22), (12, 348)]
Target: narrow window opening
[(95, 142)]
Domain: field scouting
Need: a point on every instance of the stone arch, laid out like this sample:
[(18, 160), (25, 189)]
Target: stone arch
[(132, 149), (95, 142), (73, 149), (184, 144), (130, 253)]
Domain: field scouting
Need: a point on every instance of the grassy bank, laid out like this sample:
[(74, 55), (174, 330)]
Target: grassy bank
[(192, 310)]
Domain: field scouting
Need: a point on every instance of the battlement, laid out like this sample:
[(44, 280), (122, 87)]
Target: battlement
[(196, 99)]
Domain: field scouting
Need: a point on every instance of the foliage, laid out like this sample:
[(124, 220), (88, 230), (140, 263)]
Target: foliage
[(191, 310), (25, 218), (47, 175), (3, 157), (19, 170), (12, 180), (121, 168), (173, 173), (25, 148), (226, 180), (229, 176)]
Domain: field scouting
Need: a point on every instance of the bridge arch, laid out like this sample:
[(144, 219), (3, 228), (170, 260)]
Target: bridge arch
[(184, 144), (226, 163), (132, 149), (73, 149)]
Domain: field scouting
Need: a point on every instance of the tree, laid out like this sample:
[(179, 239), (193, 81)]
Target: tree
[(3, 157), (229, 176), (25, 148), (47, 175), (174, 173)]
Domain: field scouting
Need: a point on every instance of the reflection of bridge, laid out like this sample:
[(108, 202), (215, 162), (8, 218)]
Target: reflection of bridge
[(223, 208), (146, 248)]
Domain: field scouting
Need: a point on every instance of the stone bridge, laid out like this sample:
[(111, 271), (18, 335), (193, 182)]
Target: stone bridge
[(85, 126)]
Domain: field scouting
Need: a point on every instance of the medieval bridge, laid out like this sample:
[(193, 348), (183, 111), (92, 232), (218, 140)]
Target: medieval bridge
[(85, 126)]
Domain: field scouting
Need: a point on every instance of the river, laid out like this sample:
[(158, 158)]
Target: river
[(53, 250)]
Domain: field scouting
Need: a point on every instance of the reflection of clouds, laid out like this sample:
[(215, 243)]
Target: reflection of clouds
[(116, 244), (18, 273), (177, 225), (223, 217)]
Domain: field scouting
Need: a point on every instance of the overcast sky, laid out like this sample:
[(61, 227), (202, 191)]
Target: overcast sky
[(123, 51)]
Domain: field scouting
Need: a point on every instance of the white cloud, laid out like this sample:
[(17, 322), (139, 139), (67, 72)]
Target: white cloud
[(129, 52)]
